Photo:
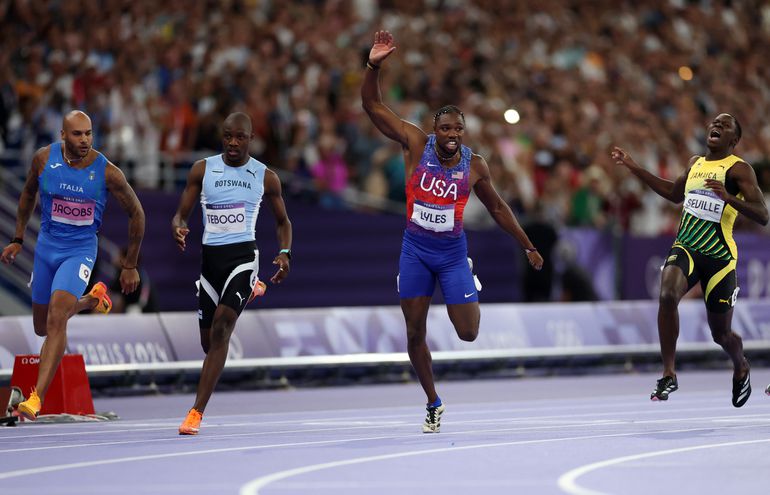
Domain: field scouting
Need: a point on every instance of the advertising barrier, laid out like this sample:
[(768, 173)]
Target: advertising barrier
[(283, 336)]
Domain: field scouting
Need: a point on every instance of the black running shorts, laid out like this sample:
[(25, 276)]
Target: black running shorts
[(717, 277), (228, 274)]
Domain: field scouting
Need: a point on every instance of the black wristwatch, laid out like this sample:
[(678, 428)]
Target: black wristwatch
[(287, 252)]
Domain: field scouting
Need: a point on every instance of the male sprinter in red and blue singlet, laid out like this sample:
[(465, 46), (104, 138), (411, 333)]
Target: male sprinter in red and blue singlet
[(440, 172)]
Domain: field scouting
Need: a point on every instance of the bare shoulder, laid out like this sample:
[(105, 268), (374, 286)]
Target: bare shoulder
[(196, 173), (113, 175), (42, 153), (741, 169), (272, 182), (479, 164), (198, 168), (40, 158), (416, 137)]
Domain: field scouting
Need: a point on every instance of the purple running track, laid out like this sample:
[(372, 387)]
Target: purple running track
[(577, 435)]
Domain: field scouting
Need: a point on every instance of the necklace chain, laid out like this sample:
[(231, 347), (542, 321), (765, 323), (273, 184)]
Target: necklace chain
[(441, 158), (64, 155)]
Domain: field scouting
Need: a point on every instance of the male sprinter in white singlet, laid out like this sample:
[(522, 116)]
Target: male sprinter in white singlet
[(231, 187)]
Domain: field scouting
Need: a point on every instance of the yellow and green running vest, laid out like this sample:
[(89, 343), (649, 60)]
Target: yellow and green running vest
[(707, 221)]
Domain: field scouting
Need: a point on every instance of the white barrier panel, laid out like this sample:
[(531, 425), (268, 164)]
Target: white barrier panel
[(297, 337)]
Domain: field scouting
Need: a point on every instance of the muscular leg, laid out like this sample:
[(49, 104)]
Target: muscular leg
[(465, 318), (60, 309), (219, 343), (40, 313), (731, 342), (40, 319), (673, 287), (205, 339), (416, 315)]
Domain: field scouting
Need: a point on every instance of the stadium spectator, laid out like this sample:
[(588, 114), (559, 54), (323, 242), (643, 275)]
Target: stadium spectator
[(567, 68)]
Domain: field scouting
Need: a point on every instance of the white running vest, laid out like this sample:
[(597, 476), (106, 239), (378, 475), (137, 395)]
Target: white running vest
[(230, 200)]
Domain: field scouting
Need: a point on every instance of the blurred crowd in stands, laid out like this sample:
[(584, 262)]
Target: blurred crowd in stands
[(157, 79)]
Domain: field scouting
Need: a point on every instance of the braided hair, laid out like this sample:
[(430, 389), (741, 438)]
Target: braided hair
[(447, 109)]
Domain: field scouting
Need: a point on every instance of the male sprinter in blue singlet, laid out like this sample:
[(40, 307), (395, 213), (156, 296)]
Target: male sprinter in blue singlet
[(440, 173), (72, 179), (715, 188), (231, 187)]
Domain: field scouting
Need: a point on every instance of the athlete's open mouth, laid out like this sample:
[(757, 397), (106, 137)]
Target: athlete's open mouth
[(715, 133)]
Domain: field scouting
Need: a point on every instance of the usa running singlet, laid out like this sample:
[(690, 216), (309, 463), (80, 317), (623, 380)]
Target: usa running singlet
[(71, 200), (436, 196), (707, 221), (230, 199)]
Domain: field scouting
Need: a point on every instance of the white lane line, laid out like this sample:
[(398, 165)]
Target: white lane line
[(456, 412), (568, 481), (543, 426), (253, 487), (176, 438), (87, 464), (209, 422)]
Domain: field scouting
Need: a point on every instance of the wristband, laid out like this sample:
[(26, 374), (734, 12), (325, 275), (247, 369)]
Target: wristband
[(371, 66), (17, 240), (124, 267), (530, 250), (287, 252)]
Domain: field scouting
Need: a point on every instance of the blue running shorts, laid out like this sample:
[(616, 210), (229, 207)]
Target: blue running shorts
[(426, 259), (61, 265)]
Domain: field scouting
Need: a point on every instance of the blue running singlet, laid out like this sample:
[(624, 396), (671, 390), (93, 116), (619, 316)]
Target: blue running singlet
[(72, 202)]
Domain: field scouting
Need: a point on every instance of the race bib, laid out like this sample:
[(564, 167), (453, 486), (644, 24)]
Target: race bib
[(704, 204), (72, 211), (226, 218), (436, 218)]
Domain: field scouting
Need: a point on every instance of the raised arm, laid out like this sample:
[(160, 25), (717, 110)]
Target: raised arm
[(670, 190), (282, 224), (390, 124), (190, 196), (753, 203), (26, 206), (124, 193), (500, 211)]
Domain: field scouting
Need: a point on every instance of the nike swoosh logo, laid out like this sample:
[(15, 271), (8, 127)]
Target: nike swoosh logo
[(56, 165), (217, 171), (432, 165), (468, 295), (89, 259)]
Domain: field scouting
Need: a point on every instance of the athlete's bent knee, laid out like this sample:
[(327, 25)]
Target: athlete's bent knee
[(668, 298), (724, 338), (469, 335), (220, 332)]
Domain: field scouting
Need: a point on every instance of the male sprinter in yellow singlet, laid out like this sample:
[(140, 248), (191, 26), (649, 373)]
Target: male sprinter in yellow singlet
[(715, 189)]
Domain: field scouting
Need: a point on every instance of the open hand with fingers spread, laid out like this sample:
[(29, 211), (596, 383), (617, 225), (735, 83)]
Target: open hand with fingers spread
[(382, 48)]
